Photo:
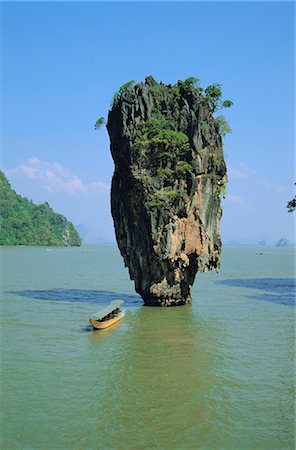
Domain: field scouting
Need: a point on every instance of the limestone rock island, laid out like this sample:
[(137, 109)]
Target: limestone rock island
[(167, 185)]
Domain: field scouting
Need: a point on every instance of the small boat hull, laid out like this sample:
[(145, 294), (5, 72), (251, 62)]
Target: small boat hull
[(106, 323)]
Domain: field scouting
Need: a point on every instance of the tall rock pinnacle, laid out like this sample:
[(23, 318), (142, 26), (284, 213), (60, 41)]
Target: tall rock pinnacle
[(169, 175)]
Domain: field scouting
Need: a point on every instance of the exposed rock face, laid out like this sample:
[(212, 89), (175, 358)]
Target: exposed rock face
[(165, 197)]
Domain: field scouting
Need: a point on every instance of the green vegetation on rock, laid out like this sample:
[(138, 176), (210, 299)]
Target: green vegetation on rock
[(24, 223), (122, 89), (161, 147), (222, 123), (213, 95), (156, 139), (162, 152), (191, 82), (167, 197), (99, 123)]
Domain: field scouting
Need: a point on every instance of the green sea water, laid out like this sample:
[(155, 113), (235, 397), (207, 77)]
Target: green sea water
[(215, 375)]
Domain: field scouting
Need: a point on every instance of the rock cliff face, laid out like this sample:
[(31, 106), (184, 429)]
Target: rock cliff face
[(169, 176)]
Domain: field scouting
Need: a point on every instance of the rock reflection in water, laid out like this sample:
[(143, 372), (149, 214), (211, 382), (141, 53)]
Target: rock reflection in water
[(163, 381)]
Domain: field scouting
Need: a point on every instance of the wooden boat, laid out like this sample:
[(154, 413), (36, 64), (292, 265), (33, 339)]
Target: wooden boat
[(108, 316)]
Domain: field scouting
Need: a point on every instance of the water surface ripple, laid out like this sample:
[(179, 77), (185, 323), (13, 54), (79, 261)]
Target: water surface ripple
[(218, 374)]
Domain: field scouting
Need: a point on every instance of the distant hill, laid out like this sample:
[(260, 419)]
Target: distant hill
[(24, 223)]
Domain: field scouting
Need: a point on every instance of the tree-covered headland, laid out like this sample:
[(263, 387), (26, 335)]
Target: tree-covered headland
[(24, 223)]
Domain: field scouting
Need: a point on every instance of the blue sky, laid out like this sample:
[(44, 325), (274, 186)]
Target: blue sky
[(62, 63)]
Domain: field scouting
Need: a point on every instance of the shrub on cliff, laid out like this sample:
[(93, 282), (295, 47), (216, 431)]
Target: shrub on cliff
[(157, 139), (213, 95), (160, 148), (99, 123), (223, 126), (122, 89)]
